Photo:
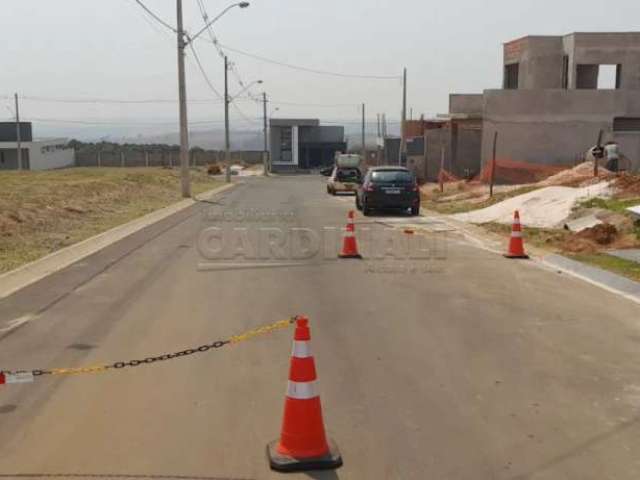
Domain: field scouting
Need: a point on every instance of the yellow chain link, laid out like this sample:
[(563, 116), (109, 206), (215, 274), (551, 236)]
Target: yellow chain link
[(233, 340), (79, 370), (261, 331)]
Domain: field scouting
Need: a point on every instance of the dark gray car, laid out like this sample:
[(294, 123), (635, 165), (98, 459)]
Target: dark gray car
[(388, 188)]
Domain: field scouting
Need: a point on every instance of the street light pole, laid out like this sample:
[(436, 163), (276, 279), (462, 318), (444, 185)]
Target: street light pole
[(364, 147), (265, 155), (227, 152), (182, 96), (18, 133), (403, 132)]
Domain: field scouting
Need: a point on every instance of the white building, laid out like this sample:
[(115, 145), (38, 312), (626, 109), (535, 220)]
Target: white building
[(44, 154)]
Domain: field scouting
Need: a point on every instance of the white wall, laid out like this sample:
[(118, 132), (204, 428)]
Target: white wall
[(50, 154)]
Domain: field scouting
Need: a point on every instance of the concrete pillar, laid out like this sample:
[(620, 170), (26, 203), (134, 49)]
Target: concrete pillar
[(122, 160)]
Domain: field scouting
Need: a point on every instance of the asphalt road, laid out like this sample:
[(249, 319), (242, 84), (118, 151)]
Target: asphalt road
[(472, 367)]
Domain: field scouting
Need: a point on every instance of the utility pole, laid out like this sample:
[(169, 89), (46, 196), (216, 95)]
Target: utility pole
[(378, 138), (182, 95), (265, 155), (493, 164), (364, 147), (18, 133), (403, 140), (227, 151)]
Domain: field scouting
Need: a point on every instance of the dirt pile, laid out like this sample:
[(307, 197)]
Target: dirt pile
[(214, 169), (579, 176), (602, 234), (628, 185)]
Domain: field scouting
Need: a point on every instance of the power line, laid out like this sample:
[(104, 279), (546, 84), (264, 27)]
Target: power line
[(156, 17), (116, 101), (117, 123), (233, 68), (310, 70), (204, 73), (206, 77), (324, 105)]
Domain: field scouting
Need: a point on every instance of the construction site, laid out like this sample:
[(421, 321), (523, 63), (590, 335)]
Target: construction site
[(540, 145)]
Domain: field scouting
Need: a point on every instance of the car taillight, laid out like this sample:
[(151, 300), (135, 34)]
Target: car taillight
[(368, 187)]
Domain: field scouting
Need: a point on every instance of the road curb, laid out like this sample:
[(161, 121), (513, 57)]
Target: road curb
[(14, 280), (598, 277), (608, 281)]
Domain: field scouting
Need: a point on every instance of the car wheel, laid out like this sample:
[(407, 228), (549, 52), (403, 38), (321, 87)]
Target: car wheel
[(415, 211), (358, 205), (366, 211)]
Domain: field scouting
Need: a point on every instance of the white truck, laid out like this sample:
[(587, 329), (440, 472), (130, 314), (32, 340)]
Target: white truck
[(346, 174)]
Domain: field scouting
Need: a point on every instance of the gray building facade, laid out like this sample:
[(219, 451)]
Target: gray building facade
[(558, 93), (303, 144), (554, 101)]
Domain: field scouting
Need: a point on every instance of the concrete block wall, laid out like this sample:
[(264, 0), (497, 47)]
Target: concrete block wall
[(466, 103), (552, 127)]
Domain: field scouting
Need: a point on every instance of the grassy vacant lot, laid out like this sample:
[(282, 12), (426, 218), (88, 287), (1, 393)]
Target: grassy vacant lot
[(41, 212)]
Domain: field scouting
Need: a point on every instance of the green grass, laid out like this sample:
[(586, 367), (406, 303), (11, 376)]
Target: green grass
[(462, 206), (613, 204), (41, 212), (623, 267), (546, 238), (553, 239)]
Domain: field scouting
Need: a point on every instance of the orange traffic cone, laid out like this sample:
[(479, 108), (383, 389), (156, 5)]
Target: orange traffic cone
[(516, 244), (349, 245), (303, 444)]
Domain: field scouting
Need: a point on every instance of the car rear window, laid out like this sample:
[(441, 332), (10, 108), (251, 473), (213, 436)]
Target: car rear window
[(348, 173), (392, 176)]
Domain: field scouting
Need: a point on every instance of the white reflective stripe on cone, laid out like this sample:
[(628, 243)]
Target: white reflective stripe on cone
[(302, 390), (516, 234), (349, 234), (516, 222), (301, 349), (21, 377)]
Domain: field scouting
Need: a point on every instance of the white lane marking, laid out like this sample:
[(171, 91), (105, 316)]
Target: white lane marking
[(16, 322)]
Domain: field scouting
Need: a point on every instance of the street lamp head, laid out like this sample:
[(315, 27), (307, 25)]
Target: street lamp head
[(243, 4)]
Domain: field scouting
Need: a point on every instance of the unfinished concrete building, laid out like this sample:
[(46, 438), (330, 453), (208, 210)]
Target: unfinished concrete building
[(558, 93)]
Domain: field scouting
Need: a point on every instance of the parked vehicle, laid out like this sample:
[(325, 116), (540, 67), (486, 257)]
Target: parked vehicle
[(344, 179), (388, 188), (346, 160), (326, 172)]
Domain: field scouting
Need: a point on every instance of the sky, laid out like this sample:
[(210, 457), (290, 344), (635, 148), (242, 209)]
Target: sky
[(74, 50)]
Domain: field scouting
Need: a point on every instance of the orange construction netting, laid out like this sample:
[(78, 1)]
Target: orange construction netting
[(508, 172), (513, 172)]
